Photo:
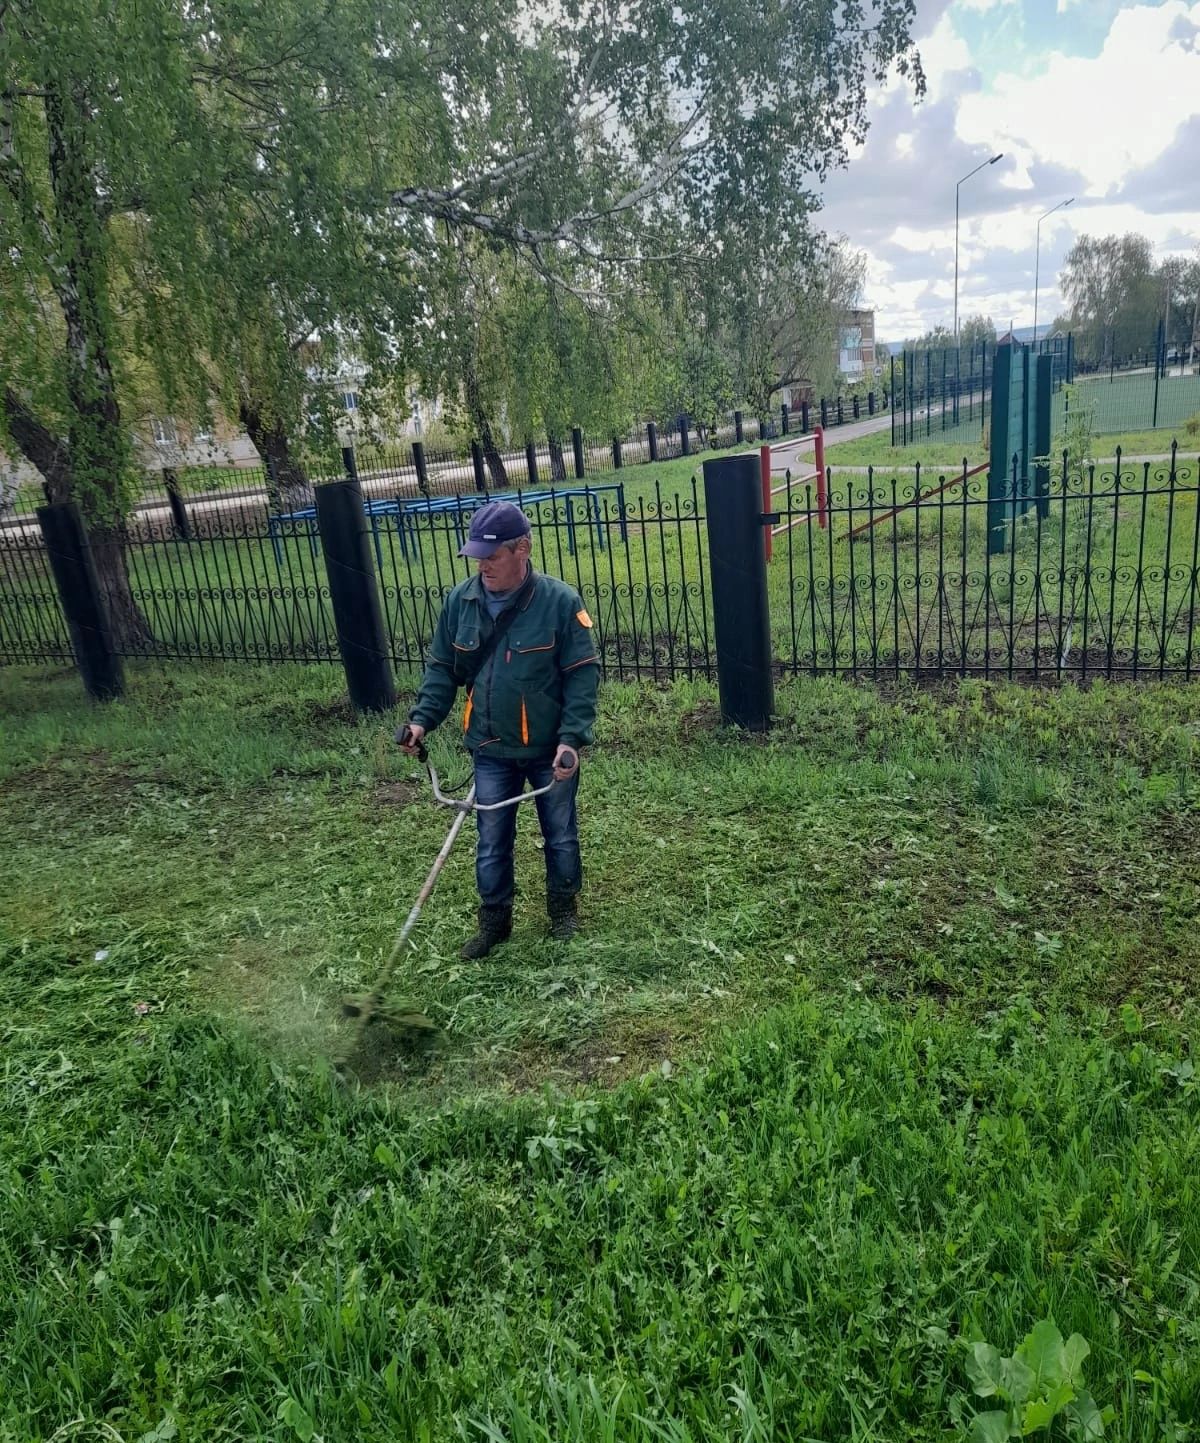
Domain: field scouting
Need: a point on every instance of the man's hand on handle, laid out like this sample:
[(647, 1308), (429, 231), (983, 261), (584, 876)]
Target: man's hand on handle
[(566, 763), (410, 739)]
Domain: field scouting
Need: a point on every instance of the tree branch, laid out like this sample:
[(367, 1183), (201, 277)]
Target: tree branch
[(39, 445)]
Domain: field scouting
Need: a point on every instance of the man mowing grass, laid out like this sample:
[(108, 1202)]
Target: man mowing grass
[(521, 644)]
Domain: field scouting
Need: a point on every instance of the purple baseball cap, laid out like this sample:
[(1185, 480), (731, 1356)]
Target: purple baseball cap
[(491, 526)]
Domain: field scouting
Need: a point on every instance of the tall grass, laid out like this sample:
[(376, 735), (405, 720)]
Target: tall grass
[(876, 1042)]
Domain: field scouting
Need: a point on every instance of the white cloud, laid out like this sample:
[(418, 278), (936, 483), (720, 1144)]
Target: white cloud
[(1102, 116), (944, 54), (1119, 131), (985, 4)]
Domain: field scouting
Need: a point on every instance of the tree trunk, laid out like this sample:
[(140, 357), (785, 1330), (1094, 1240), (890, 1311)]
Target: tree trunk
[(288, 487), (558, 467), (90, 469), (108, 544), (47, 452), (483, 428)]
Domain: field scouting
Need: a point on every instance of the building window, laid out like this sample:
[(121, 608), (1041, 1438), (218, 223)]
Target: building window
[(163, 430), (350, 400)]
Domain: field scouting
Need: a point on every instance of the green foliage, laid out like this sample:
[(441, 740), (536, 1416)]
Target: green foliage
[(1117, 294), (1075, 439), (249, 196), (1041, 1384)]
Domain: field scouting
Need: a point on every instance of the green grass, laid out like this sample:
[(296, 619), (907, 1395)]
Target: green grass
[(1128, 401), (876, 450), (876, 1041)]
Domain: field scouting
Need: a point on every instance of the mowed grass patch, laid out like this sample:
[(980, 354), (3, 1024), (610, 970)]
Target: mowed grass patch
[(876, 1042), (238, 825)]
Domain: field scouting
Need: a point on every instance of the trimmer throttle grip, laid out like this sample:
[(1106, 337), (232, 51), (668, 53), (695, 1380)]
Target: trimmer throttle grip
[(404, 739)]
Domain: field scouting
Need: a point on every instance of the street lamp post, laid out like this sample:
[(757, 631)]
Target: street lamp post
[(1037, 265), (968, 176)]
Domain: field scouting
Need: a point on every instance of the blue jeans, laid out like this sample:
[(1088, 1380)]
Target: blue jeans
[(498, 778)]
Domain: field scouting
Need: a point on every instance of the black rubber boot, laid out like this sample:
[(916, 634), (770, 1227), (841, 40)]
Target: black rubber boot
[(563, 908), (495, 926)]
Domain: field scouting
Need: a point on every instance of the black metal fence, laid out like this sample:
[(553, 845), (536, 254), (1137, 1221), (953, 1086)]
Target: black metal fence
[(255, 588), (1099, 576), (32, 628)]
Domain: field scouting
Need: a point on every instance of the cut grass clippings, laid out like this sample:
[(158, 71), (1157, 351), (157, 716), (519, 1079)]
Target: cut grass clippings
[(876, 1042)]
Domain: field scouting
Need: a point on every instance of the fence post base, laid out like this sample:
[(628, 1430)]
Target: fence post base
[(74, 570), (738, 567), (353, 590)]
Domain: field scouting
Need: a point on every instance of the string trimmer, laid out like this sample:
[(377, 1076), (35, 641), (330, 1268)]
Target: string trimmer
[(371, 1009)]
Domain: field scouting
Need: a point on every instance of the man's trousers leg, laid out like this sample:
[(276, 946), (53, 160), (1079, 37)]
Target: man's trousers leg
[(496, 780)]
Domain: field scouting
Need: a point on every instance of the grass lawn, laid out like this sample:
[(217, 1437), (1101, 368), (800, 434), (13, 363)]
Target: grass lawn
[(877, 1042), (877, 450)]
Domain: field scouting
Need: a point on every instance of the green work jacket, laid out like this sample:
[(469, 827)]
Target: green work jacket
[(535, 692)]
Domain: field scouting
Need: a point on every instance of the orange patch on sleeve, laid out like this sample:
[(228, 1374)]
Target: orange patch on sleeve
[(583, 618)]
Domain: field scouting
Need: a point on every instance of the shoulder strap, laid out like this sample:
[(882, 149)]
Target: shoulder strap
[(501, 625)]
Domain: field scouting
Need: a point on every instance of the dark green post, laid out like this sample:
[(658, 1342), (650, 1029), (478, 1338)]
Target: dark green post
[(616, 453), (652, 440), (998, 468), (943, 388), (928, 383), (1160, 356), (738, 567), (739, 434), (357, 614), (1041, 439), (531, 463), (83, 604), (577, 448), (1027, 426), (784, 418), (685, 443)]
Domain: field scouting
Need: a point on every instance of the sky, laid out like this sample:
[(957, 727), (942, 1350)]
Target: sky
[(1095, 100)]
